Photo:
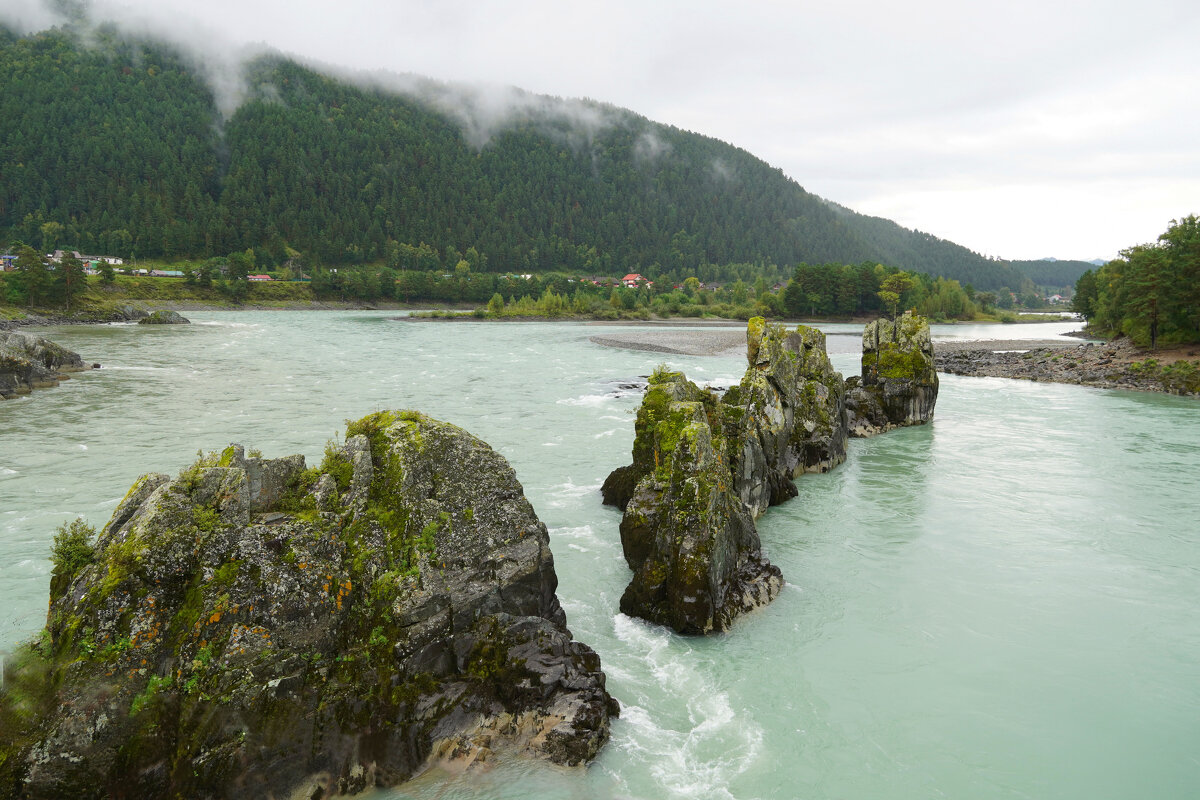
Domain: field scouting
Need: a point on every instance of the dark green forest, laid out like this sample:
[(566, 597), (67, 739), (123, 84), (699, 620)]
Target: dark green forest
[(1151, 293), (1053, 274), (118, 148)]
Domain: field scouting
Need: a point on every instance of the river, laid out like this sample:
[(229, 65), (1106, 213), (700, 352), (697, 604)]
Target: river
[(1002, 604)]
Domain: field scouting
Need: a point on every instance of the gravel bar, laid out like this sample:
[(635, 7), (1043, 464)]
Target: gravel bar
[(689, 343)]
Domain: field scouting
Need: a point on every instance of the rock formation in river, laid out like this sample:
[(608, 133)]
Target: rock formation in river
[(787, 416), (899, 382), (255, 628), (164, 317), (31, 362), (704, 467), (689, 539)]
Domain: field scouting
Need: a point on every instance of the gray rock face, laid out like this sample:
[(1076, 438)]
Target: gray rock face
[(30, 362), (793, 414), (899, 382), (163, 317), (255, 628), (130, 313)]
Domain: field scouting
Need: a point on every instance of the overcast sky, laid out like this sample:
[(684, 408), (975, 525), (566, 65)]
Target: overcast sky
[(1018, 129)]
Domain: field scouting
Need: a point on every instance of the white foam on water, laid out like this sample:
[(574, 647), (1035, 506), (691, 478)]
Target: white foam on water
[(587, 400), (571, 489), (82, 446), (696, 757), (602, 434), (7, 471), (584, 532)]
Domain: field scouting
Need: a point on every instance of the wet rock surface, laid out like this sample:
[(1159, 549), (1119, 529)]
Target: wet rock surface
[(253, 628), (30, 362), (899, 383)]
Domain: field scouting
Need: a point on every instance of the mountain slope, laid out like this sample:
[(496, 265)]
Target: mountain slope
[(118, 147), (1057, 273)]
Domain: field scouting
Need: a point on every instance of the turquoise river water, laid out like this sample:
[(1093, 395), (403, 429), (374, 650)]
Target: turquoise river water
[(1002, 604)]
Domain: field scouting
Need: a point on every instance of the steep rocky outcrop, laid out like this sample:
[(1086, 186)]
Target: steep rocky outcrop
[(788, 414), (689, 539), (899, 382), (705, 466), (30, 362), (253, 628), (164, 317)]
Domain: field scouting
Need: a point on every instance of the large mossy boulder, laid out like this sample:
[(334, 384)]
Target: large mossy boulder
[(253, 628), (689, 539), (30, 362), (899, 382)]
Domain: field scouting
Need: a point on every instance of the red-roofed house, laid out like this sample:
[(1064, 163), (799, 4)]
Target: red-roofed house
[(633, 280), (258, 277)]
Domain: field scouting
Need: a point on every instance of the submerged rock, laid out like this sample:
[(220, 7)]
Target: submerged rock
[(255, 628), (163, 317), (899, 382), (30, 362)]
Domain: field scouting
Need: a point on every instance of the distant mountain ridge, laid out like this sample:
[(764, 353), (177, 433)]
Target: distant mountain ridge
[(119, 147)]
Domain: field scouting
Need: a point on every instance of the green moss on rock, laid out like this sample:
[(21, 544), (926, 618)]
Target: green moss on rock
[(899, 382)]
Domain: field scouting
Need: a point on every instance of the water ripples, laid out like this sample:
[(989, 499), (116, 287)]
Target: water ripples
[(999, 604)]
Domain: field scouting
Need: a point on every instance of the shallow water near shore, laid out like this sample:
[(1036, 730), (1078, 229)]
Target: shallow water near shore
[(1000, 604)]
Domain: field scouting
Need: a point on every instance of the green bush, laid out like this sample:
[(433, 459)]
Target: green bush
[(72, 548)]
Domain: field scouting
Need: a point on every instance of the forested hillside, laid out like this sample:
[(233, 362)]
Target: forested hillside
[(118, 148), (1053, 273)]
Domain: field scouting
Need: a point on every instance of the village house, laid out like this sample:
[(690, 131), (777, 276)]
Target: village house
[(259, 277), (634, 280), (58, 255)]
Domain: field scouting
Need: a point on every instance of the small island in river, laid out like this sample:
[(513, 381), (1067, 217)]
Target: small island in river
[(706, 466)]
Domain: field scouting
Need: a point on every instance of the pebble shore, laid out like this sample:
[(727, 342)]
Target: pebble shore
[(691, 343), (1112, 365)]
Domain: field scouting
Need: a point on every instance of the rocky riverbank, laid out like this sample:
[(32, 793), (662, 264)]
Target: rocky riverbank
[(30, 362), (1112, 365)]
